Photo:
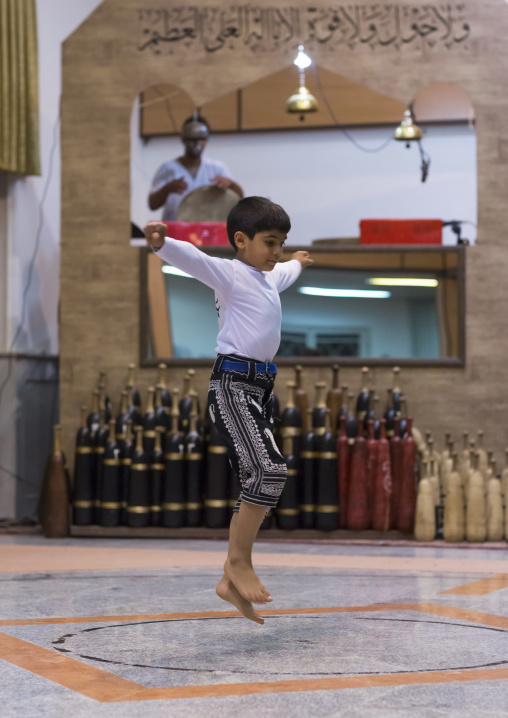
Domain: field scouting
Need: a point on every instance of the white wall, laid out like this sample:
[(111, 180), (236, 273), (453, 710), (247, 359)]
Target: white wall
[(325, 183), (56, 19), (23, 216)]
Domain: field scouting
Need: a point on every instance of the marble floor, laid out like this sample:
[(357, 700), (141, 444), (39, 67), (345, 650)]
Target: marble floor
[(126, 628)]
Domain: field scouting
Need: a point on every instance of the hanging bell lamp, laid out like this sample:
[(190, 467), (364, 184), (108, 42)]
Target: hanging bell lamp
[(408, 131), (302, 101)]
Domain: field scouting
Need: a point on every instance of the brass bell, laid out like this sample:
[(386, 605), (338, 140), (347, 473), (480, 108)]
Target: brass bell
[(302, 101), (407, 131)]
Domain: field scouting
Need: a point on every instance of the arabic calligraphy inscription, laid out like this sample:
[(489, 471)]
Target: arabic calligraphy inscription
[(266, 29)]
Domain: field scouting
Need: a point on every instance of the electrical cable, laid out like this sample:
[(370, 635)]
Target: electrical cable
[(348, 135), (425, 158), (8, 376), (18, 478), (161, 98), (168, 107), (35, 251)]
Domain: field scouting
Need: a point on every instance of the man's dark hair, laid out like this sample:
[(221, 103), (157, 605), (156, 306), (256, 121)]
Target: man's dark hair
[(256, 214)]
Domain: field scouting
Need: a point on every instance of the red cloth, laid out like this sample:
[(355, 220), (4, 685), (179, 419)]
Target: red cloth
[(401, 231), (199, 233)]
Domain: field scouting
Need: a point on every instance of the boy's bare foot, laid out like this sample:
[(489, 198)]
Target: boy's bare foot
[(246, 582), (226, 590)]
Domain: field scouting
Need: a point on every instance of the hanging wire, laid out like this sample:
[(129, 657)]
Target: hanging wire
[(19, 478), (348, 135), (425, 161), (166, 98), (161, 98), (425, 158)]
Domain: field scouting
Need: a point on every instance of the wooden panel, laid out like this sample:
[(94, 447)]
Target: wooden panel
[(430, 259), (262, 105), (353, 103), (160, 321), (451, 260), (264, 102), (223, 113), (426, 261), (164, 108), (448, 311), (202, 532), (443, 101), (359, 260)]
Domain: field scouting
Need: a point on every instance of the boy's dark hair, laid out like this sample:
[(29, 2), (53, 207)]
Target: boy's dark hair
[(256, 214)]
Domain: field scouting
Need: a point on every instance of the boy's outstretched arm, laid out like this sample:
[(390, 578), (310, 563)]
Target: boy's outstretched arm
[(154, 234), (303, 257), (285, 273), (214, 272)]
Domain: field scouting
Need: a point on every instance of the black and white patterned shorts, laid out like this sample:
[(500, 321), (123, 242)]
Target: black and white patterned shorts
[(240, 407)]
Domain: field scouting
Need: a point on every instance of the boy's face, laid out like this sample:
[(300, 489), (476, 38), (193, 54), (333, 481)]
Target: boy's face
[(263, 251)]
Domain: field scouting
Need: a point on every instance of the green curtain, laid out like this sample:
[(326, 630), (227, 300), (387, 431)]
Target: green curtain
[(19, 88)]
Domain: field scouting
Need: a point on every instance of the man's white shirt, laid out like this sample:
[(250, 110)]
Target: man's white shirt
[(171, 170)]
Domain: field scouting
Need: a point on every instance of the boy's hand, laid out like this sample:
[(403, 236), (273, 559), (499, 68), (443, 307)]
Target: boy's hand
[(154, 234), (304, 258)]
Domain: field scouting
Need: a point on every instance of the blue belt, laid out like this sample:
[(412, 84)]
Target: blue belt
[(244, 366)]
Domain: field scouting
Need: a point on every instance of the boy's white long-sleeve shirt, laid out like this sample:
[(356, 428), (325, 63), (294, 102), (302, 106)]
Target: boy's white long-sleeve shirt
[(247, 299)]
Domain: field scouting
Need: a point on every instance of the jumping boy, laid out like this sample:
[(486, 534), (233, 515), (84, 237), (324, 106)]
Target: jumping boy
[(240, 395)]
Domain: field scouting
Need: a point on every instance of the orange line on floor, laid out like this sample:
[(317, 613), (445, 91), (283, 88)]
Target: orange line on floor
[(321, 684), (462, 614), (481, 587), (432, 608), (39, 559), (106, 687), (68, 672), (205, 614)]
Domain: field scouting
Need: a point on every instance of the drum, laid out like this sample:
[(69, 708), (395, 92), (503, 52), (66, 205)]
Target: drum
[(207, 204)]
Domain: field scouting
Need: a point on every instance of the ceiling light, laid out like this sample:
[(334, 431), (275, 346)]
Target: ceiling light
[(302, 101), (402, 282), (302, 60), (168, 269), (352, 293), (408, 131)]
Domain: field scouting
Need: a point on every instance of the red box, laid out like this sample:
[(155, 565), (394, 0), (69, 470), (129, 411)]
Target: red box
[(199, 233), (401, 231)]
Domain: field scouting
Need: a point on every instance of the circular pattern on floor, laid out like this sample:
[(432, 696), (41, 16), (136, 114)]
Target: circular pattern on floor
[(293, 645)]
